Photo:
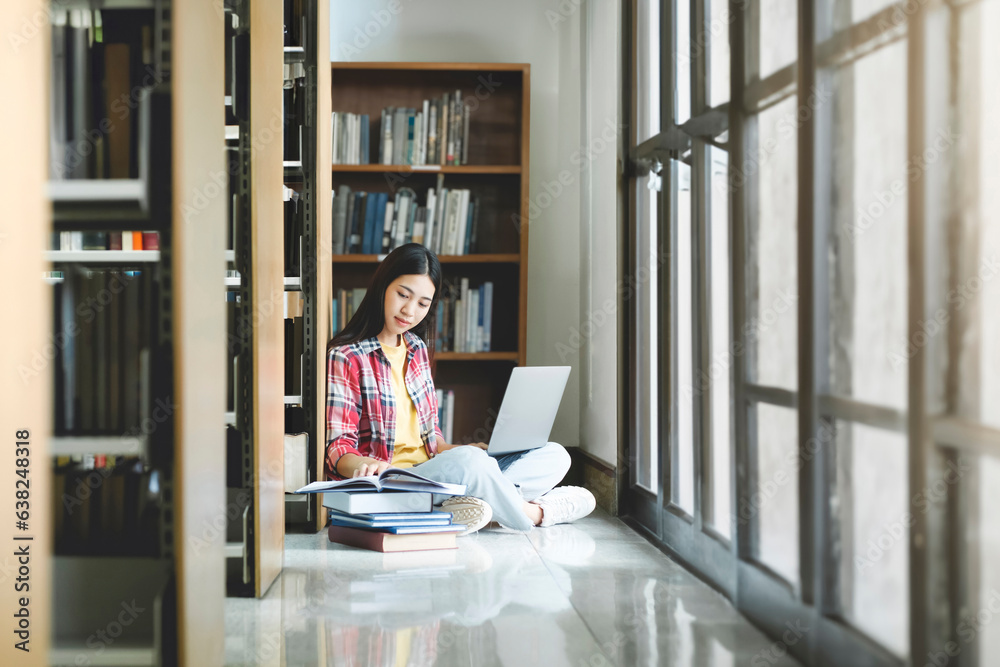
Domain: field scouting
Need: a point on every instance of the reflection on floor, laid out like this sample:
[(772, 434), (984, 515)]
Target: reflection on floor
[(589, 594)]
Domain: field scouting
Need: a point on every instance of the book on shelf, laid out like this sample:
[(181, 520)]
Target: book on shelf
[(101, 68), (372, 223), (406, 135), (103, 322), (396, 479), (446, 412), (464, 317), (361, 502), (126, 240), (345, 304), (387, 542)]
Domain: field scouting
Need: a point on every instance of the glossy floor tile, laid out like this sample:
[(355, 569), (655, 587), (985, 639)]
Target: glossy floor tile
[(590, 594)]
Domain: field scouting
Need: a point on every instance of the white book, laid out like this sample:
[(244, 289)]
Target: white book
[(488, 317), (423, 133), (465, 134), (451, 242), (441, 203), (415, 151), (402, 217), (387, 135), (450, 410), (464, 319), (463, 222), (387, 227), (429, 227), (472, 321), (356, 139)]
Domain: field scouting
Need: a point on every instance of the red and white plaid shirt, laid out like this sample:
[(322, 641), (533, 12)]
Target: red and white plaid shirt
[(361, 405)]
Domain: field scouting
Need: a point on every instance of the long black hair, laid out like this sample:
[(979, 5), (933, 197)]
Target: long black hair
[(369, 318)]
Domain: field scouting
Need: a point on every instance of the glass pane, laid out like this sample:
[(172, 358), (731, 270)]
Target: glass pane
[(646, 219), (973, 288), (863, 9), (775, 500), (771, 326), (682, 62), (989, 556), (718, 39), (721, 335), (648, 69), (873, 481), (778, 43), (683, 473), (868, 272)]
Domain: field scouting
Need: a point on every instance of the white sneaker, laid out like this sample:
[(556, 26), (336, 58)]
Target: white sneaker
[(470, 512), (565, 504)]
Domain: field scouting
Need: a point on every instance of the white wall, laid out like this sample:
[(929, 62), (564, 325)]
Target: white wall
[(547, 34)]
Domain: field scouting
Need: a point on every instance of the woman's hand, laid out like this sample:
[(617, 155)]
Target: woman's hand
[(368, 466)]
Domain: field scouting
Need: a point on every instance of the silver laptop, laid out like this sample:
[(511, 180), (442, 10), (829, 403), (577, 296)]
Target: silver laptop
[(529, 409)]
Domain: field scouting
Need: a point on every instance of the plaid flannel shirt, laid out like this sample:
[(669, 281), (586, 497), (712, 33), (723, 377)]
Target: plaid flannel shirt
[(361, 405)]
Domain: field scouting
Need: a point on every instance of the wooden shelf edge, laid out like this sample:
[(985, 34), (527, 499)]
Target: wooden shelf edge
[(428, 168), (436, 66), (511, 258)]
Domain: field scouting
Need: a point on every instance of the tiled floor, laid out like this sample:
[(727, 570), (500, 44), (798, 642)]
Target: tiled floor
[(590, 594)]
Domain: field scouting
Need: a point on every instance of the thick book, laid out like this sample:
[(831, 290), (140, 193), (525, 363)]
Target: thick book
[(387, 542), (397, 479), (384, 521), (371, 502)]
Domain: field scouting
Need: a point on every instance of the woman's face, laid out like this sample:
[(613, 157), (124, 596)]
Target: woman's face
[(407, 301)]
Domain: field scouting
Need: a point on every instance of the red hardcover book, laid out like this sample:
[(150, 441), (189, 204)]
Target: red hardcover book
[(114, 241), (150, 240), (375, 540)]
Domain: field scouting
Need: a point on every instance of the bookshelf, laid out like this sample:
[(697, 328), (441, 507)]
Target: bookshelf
[(307, 159), (133, 395), (254, 540), (24, 233), (494, 169)]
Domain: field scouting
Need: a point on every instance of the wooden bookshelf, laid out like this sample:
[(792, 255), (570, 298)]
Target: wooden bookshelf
[(24, 233), (496, 171), (181, 586), (311, 178)]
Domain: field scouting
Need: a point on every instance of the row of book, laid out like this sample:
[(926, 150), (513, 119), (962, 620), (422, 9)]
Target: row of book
[(464, 317), (103, 323), (436, 133), (127, 240), (369, 223), (109, 510), (392, 511), (102, 66), (344, 304)]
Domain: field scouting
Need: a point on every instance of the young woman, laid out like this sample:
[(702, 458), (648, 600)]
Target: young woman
[(381, 410)]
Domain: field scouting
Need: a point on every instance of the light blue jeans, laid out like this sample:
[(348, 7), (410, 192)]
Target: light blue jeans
[(504, 482)]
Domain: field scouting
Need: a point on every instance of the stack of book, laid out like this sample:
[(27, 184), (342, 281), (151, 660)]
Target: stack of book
[(127, 240), (436, 133), (464, 317), (374, 223), (389, 512)]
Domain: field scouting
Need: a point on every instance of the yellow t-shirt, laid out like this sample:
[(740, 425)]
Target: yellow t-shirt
[(409, 448)]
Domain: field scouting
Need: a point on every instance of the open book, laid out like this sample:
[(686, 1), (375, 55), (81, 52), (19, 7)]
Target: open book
[(395, 479)]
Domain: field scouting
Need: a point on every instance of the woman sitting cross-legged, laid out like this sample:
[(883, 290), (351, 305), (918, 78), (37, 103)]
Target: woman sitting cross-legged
[(381, 410)]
